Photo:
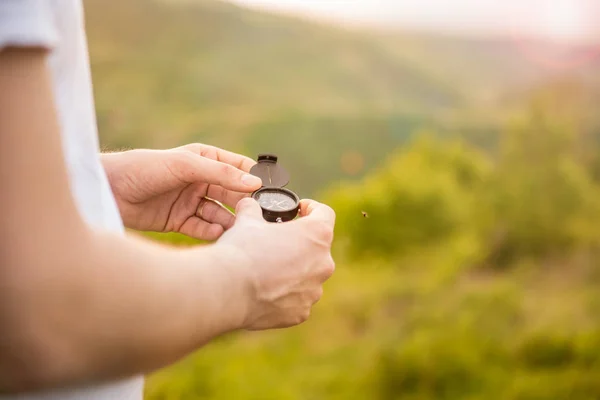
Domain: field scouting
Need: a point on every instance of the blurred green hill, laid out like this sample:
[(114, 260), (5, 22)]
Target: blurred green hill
[(331, 102)]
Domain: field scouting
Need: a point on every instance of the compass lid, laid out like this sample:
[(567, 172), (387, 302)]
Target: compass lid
[(270, 171)]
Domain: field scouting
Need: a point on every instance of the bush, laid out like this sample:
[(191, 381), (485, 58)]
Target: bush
[(422, 195), (541, 201), (546, 351)]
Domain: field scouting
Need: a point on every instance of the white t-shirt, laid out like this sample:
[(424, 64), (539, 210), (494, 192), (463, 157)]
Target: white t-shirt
[(59, 26)]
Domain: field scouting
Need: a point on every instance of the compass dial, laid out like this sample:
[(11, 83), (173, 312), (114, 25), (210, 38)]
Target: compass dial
[(276, 200)]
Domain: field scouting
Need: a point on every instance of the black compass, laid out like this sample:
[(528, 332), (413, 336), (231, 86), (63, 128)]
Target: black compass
[(278, 204)]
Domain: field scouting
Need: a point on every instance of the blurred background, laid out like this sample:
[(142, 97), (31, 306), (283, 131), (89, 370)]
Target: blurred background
[(467, 130)]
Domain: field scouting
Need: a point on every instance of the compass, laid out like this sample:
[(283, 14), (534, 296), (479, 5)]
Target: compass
[(277, 203)]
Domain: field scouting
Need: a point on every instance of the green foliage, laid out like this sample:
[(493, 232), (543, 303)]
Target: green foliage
[(440, 368), (543, 351), (535, 200), (541, 200), (423, 194)]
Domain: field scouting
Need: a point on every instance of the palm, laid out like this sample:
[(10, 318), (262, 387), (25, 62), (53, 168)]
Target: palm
[(165, 190)]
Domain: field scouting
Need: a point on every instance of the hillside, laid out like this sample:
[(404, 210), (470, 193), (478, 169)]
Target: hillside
[(167, 73), (476, 274)]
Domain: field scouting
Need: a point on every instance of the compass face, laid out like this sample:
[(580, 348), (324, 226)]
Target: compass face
[(276, 200)]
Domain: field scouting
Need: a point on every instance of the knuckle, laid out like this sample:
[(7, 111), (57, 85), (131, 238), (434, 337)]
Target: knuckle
[(329, 210), (187, 155), (325, 232), (179, 164), (185, 159), (194, 147), (318, 294), (303, 316), (206, 150), (227, 170), (320, 230), (210, 210), (329, 268)]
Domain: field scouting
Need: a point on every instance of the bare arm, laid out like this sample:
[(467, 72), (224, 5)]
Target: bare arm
[(77, 305)]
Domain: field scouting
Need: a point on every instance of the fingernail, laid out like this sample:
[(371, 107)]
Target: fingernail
[(251, 180)]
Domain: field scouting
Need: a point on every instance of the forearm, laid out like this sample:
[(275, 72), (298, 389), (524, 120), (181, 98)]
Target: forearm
[(112, 308), (78, 305)]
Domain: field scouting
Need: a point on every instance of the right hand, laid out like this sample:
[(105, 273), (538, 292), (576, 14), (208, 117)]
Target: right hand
[(285, 264)]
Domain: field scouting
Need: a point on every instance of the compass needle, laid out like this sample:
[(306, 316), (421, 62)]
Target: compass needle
[(270, 179)]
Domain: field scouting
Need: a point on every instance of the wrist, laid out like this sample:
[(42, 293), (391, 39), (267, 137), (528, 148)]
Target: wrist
[(229, 285), (114, 167)]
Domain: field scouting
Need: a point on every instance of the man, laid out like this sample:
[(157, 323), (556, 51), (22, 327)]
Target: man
[(86, 310)]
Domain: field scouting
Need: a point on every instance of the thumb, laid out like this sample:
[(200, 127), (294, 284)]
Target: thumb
[(248, 208)]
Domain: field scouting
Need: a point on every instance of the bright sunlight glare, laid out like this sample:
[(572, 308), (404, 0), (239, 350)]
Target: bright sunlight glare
[(558, 20), (563, 20)]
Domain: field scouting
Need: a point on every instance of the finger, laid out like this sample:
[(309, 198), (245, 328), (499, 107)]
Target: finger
[(314, 210), (241, 162), (228, 197), (199, 229), (214, 213), (237, 160), (192, 168), (248, 208)]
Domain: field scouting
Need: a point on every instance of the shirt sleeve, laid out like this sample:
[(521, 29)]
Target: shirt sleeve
[(27, 23)]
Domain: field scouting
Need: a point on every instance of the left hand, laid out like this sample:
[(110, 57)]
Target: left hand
[(173, 190)]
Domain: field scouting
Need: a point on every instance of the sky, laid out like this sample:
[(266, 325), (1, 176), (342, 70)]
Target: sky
[(560, 20)]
